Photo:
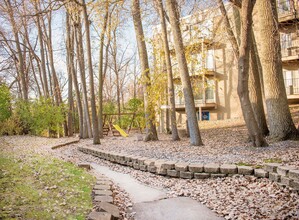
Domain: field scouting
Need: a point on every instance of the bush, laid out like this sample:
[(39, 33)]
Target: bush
[(40, 116), (5, 103), (11, 126)]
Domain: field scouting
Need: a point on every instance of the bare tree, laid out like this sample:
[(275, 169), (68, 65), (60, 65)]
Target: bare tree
[(95, 125), (151, 132), (195, 138), (171, 97), (281, 125)]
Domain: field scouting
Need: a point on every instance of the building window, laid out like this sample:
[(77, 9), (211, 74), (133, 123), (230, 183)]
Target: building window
[(205, 116), (286, 41)]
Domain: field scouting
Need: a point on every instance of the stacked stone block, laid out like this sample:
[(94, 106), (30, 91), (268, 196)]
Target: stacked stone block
[(104, 201), (287, 176)]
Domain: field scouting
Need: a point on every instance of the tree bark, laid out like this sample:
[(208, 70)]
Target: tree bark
[(195, 138), (95, 124), (281, 125), (255, 90), (21, 68), (171, 97), (42, 53), (70, 65), (255, 133), (81, 61), (101, 59), (151, 132)]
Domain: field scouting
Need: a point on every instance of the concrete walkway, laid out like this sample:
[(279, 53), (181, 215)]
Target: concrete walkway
[(152, 204)]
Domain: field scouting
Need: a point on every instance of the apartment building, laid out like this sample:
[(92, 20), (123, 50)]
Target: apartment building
[(288, 11), (213, 68)]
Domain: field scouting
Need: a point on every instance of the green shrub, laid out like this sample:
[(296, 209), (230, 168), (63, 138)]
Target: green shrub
[(11, 126), (5, 103)]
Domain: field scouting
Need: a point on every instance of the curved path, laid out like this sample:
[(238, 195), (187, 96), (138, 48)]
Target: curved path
[(152, 204)]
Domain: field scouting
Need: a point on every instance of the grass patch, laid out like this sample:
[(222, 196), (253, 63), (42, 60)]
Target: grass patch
[(37, 187), (273, 160)]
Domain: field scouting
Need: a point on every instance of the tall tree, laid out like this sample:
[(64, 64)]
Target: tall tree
[(171, 97), (87, 132), (195, 138), (95, 124), (255, 133), (151, 132), (255, 90), (281, 125), (21, 68), (101, 59)]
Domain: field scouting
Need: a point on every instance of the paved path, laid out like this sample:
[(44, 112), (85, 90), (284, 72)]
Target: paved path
[(152, 204)]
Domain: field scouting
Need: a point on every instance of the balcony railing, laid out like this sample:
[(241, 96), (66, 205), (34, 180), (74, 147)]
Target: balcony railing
[(292, 86), (209, 98), (290, 48)]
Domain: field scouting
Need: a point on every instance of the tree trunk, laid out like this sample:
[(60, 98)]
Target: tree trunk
[(70, 65), (281, 125), (95, 124), (171, 97), (255, 90), (70, 51), (21, 68), (195, 138), (255, 133), (151, 132), (81, 61), (101, 59), (42, 53)]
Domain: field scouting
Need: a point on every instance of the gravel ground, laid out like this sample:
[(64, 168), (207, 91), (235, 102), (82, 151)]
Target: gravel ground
[(231, 197), (221, 145)]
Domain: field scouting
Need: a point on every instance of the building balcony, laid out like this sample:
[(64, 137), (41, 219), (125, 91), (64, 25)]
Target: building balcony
[(290, 50), (209, 102), (292, 90), (287, 11)]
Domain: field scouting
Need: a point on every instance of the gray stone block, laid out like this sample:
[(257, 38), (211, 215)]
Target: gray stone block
[(143, 167), (103, 192), (196, 168), (102, 187), (173, 173), (141, 160), (284, 170), (149, 162), (169, 165), (294, 174), (136, 166), (274, 177), (130, 164), (99, 216), (294, 185), (228, 169), (181, 166), (186, 175), (271, 167), (218, 175), (201, 175), (245, 170), (103, 199), (152, 169), (212, 168), (110, 208), (103, 181), (285, 181), (260, 173)]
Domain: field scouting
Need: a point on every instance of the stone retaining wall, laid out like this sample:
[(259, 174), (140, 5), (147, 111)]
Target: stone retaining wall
[(103, 201), (284, 175)]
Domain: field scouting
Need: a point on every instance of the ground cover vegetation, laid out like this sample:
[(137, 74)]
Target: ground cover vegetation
[(36, 186)]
